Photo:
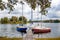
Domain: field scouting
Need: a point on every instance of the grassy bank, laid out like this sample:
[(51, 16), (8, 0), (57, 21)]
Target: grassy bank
[(47, 39), (3, 38)]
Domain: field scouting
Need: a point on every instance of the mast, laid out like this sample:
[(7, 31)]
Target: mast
[(31, 14), (22, 11)]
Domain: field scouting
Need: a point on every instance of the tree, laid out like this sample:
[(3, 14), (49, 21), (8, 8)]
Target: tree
[(23, 19), (42, 3), (4, 20), (14, 19), (10, 4)]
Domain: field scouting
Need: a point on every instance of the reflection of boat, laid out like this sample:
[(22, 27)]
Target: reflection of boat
[(21, 29), (38, 30)]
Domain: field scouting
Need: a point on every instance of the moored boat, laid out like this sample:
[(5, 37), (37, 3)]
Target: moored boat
[(37, 30), (21, 29)]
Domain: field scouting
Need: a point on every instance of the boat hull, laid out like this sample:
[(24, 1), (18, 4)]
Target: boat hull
[(40, 31), (22, 30)]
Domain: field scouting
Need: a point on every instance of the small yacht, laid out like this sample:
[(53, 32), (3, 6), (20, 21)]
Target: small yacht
[(38, 29), (21, 29)]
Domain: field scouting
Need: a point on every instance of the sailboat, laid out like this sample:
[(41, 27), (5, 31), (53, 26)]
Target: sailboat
[(22, 28), (37, 30), (40, 28)]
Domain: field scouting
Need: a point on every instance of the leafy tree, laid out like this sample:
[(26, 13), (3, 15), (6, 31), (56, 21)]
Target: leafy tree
[(14, 19), (42, 3), (9, 5), (23, 19), (4, 20)]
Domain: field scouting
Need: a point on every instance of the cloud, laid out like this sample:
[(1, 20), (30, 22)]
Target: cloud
[(53, 12), (55, 3), (55, 8), (5, 1), (58, 14)]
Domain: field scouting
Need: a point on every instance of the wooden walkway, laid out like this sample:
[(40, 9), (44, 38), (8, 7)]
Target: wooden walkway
[(29, 36)]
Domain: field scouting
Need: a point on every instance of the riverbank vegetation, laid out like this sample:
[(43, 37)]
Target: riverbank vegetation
[(13, 20), (23, 20), (47, 21)]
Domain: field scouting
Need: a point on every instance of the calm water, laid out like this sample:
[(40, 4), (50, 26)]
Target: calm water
[(9, 30)]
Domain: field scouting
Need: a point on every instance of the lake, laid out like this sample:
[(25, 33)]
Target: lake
[(9, 30)]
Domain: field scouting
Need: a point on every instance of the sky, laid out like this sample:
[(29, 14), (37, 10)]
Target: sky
[(53, 12)]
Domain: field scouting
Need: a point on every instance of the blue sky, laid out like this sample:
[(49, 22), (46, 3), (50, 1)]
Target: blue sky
[(53, 12)]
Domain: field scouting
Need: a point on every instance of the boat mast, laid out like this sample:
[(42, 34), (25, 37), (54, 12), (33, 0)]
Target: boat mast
[(31, 14), (22, 11), (42, 13)]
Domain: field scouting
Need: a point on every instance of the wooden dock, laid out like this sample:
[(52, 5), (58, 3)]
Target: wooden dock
[(29, 36)]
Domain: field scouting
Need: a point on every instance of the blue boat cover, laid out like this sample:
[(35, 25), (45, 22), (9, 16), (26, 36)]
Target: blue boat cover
[(22, 30)]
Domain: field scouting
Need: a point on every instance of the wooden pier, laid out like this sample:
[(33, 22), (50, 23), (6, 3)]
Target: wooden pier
[(29, 36)]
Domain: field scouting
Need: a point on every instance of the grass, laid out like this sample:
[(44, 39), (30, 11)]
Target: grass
[(47, 39), (4, 38)]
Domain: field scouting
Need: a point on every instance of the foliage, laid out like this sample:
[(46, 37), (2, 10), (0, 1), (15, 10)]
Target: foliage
[(46, 21), (4, 20), (42, 3), (9, 5), (23, 19), (13, 20)]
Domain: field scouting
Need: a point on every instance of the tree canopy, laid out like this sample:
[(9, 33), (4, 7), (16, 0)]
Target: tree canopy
[(23, 19), (14, 20), (42, 3)]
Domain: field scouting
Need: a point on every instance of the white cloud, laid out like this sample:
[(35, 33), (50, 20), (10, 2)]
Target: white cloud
[(58, 13), (55, 3), (54, 10), (5, 1), (27, 11)]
